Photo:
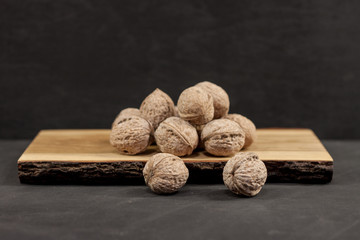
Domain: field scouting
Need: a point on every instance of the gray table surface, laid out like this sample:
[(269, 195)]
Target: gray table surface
[(280, 211)]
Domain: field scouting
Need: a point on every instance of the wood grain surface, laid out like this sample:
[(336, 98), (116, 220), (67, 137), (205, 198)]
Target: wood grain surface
[(86, 156)]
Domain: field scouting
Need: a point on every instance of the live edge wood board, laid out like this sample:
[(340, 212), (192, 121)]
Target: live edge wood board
[(86, 157)]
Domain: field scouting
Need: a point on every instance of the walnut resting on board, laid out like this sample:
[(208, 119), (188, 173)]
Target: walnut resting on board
[(176, 136), (247, 126), (157, 107), (196, 106), (165, 173), (222, 137), (245, 174), (127, 112), (176, 112), (199, 129), (131, 135), (220, 98)]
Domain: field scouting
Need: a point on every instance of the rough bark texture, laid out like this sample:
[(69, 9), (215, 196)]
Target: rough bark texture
[(131, 172)]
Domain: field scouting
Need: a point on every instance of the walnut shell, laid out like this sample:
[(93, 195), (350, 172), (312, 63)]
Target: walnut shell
[(157, 107), (165, 173), (176, 112), (247, 126), (196, 106), (199, 129), (223, 137), (126, 112), (245, 174), (220, 98), (131, 135), (176, 136)]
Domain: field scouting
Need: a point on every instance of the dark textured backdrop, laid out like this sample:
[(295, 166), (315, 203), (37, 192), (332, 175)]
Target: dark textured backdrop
[(75, 64)]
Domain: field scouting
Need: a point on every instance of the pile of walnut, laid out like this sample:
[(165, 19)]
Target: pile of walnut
[(200, 120)]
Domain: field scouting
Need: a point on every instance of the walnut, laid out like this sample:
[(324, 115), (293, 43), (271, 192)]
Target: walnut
[(131, 135), (157, 107), (247, 126), (196, 106), (165, 173), (126, 112), (199, 129), (220, 98), (176, 112), (223, 137), (176, 136), (245, 174)]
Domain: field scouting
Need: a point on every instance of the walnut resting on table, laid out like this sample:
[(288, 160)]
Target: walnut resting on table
[(165, 173), (245, 174)]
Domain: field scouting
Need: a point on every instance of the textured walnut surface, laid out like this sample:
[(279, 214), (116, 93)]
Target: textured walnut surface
[(196, 106), (247, 126), (165, 173), (199, 129), (157, 107), (131, 135), (176, 112), (245, 174), (126, 112), (220, 98), (176, 136), (223, 137)]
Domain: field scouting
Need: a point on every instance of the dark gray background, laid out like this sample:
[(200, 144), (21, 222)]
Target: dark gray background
[(75, 64)]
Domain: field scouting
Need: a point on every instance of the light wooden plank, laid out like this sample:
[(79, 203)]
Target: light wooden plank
[(86, 156), (94, 146)]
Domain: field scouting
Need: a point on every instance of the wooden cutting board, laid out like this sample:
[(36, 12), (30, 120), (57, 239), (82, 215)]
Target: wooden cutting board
[(86, 156)]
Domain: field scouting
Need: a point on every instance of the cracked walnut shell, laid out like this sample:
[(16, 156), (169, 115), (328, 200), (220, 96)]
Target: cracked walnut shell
[(247, 126), (222, 137), (156, 107), (131, 135), (196, 106), (176, 136), (165, 173), (245, 174), (220, 98)]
